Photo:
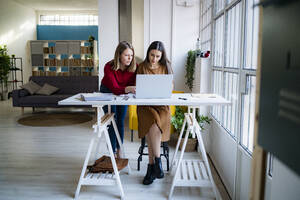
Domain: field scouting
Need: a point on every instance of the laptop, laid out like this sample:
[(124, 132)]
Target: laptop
[(154, 86)]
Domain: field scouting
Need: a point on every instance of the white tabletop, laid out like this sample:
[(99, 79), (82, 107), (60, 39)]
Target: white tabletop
[(184, 99)]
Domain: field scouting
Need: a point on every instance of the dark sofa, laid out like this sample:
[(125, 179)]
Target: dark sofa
[(68, 86)]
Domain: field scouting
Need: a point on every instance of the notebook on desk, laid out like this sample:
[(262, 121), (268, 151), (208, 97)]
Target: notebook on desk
[(97, 97), (154, 86)]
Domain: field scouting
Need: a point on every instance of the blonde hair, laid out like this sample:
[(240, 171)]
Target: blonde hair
[(116, 64)]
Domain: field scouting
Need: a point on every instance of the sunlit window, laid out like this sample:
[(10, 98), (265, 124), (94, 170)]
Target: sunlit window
[(229, 121), (205, 24), (217, 111), (234, 63), (233, 36), (218, 42), (69, 20), (248, 108)]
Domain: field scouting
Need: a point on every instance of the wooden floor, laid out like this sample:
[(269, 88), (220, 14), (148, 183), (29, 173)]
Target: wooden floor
[(45, 163)]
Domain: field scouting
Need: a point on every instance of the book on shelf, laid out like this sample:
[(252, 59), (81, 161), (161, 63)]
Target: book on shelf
[(96, 96)]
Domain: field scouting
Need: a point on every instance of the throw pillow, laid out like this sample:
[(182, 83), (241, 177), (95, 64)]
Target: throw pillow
[(24, 93), (31, 87), (47, 89)]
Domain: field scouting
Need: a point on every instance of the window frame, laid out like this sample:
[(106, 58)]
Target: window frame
[(242, 69), (60, 19)]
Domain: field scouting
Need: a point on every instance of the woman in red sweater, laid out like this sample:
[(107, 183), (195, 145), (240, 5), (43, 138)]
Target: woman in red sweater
[(119, 78)]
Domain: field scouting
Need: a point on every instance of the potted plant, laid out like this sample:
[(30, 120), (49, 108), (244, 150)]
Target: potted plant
[(4, 71), (177, 121), (190, 68)]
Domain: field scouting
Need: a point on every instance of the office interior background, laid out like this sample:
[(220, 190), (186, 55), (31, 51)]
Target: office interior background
[(230, 29)]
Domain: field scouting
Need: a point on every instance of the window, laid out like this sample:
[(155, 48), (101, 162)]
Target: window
[(219, 5), (249, 75), (234, 63), (217, 89), (205, 24), (231, 94), (69, 20), (218, 42), (251, 35), (233, 34), (248, 108)]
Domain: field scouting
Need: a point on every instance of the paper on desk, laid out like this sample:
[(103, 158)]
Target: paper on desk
[(197, 95), (125, 96), (98, 97)]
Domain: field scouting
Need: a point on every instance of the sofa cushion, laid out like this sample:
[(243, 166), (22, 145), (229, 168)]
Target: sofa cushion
[(47, 89), (31, 87), (24, 93), (69, 84)]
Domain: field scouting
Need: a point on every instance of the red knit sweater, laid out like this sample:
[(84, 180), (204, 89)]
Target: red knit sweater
[(116, 81)]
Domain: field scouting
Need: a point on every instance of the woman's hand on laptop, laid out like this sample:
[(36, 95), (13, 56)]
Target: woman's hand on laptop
[(130, 89)]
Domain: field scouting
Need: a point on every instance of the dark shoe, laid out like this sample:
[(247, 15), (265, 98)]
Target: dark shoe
[(150, 176), (159, 173)]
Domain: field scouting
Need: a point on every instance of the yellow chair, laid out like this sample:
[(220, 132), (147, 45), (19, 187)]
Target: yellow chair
[(133, 121)]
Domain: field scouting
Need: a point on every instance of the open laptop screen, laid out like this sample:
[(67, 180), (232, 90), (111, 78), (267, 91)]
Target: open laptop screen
[(154, 86)]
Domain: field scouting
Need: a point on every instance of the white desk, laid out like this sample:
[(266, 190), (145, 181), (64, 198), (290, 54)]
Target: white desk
[(201, 100), (187, 173)]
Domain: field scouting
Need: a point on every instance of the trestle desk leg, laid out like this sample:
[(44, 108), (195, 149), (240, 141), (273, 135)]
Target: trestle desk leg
[(178, 143), (120, 143), (87, 157), (204, 157), (112, 157), (179, 162), (97, 150)]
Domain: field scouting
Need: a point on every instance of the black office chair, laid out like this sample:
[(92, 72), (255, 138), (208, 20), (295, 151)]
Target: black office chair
[(165, 153)]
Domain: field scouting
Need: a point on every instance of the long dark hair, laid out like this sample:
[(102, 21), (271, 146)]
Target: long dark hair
[(158, 45)]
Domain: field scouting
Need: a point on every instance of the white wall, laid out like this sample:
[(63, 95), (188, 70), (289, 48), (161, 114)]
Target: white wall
[(284, 183), (222, 151), (177, 27), (232, 163), (243, 175), (17, 27), (108, 31)]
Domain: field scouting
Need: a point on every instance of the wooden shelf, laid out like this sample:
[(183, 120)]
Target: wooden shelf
[(193, 173), (70, 57), (99, 179)]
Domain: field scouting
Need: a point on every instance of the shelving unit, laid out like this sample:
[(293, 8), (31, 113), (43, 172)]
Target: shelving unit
[(64, 58), (191, 173), (16, 74)]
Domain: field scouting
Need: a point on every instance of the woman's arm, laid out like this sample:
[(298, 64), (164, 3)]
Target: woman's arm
[(110, 81), (130, 89), (131, 83)]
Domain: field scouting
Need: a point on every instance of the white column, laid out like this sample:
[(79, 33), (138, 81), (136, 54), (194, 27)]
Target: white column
[(108, 31)]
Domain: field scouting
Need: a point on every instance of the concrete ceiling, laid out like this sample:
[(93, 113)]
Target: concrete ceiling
[(60, 4)]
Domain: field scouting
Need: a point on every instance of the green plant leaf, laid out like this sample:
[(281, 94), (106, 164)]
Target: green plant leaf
[(4, 64), (190, 68), (178, 119)]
